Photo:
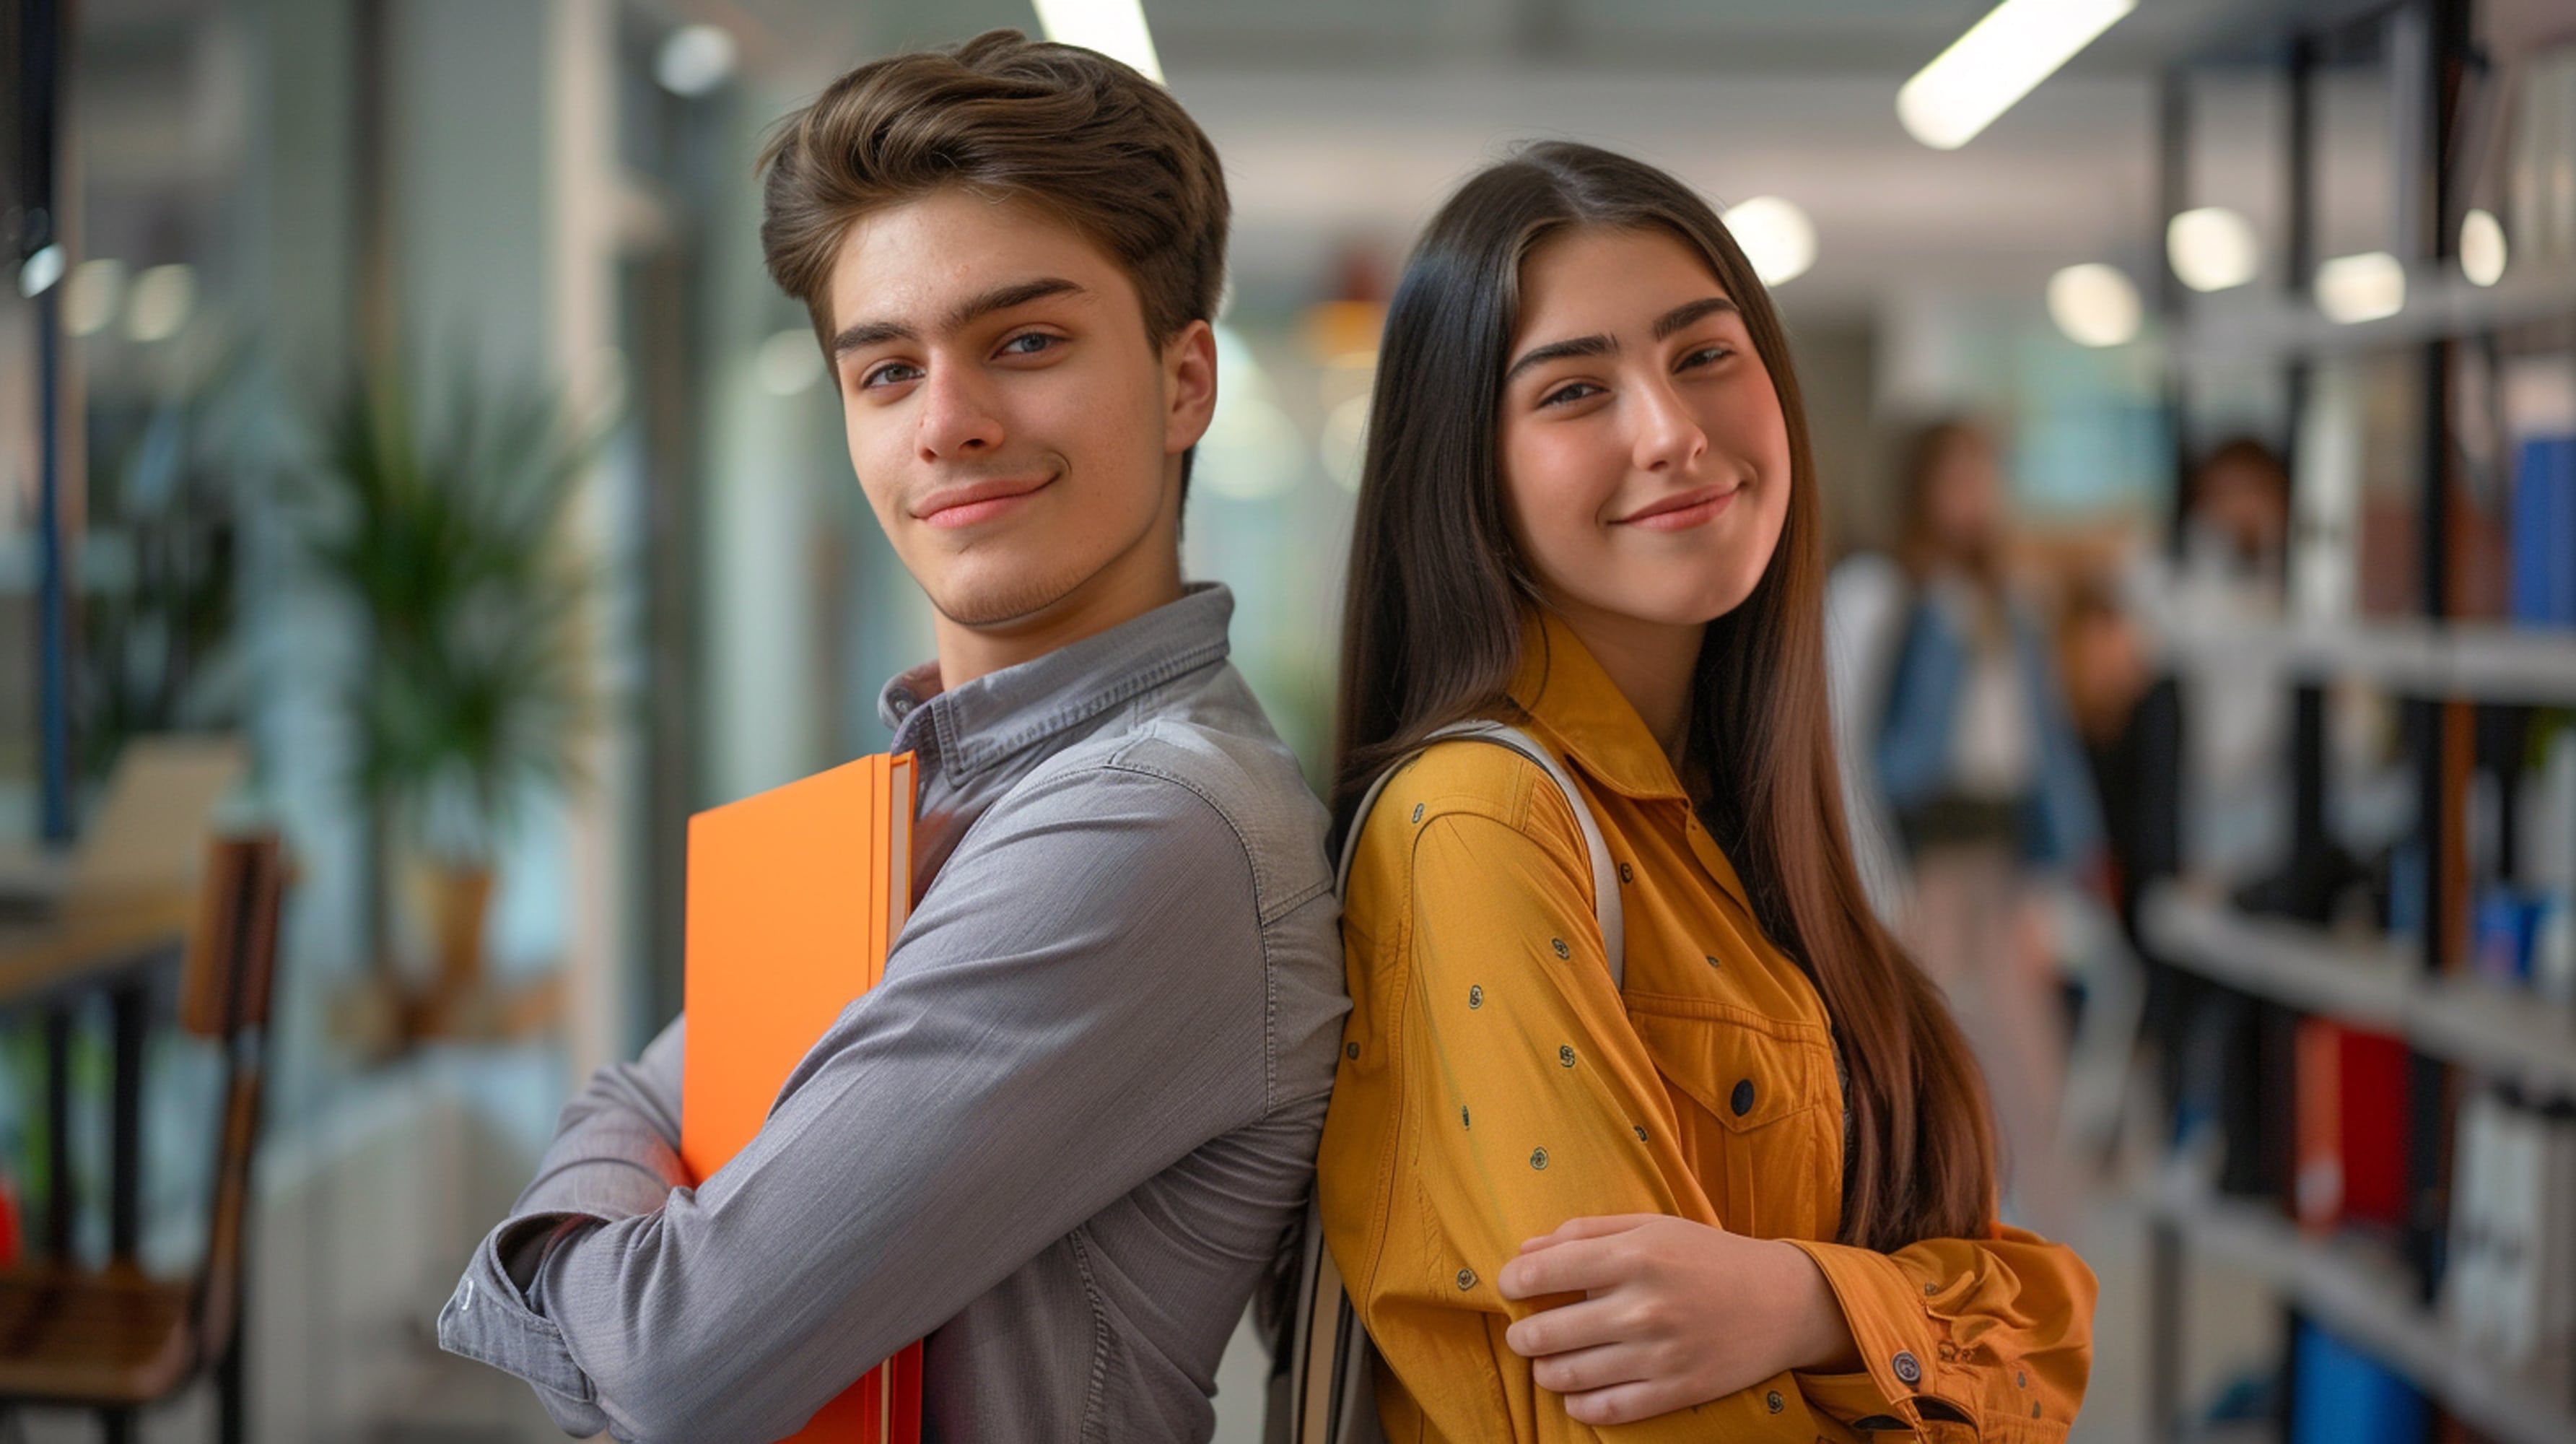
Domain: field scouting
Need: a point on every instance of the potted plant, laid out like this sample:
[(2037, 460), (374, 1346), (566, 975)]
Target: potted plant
[(473, 693)]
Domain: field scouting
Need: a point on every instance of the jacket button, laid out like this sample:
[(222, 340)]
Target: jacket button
[(1462, 1119), (2021, 1378), (1775, 1402), (1476, 996), (1538, 1158), (1741, 1100), (1712, 959), (1417, 812), (1641, 1133), (1908, 1371), (1625, 875), (1351, 1051), (1466, 1279), (1948, 1351), (1562, 950), (1565, 1056)]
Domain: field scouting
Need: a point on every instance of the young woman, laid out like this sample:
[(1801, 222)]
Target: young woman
[(1993, 797), (1752, 1194)]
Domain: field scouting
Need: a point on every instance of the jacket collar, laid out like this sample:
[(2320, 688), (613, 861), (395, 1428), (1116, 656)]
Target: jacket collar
[(1584, 715)]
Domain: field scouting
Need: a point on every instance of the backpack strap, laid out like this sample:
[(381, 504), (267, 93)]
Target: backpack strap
[(1605, 873), (1325, 1370)]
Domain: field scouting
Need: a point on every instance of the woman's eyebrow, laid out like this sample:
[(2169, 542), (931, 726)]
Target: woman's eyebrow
[(1690, 311), (1595, 345)]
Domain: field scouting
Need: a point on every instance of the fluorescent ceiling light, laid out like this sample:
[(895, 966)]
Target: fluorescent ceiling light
[(694, 59), (2001, 59), (2094, 305), (2212, 248), (1775, 236), (2361, 288), (2482, 252), (160, 302), (90, 301), (1115, 28), (41, 270)]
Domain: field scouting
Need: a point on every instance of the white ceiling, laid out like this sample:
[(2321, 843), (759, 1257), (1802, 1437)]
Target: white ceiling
[(1343, 122)]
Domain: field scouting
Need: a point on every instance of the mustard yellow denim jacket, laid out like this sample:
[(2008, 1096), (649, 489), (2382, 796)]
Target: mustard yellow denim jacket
[(1494, 1083)]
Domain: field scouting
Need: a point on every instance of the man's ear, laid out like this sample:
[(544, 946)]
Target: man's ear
[(1189, 386)]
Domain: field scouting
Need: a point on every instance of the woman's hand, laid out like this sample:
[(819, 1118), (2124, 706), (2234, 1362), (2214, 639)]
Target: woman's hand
[(1670, 1314)]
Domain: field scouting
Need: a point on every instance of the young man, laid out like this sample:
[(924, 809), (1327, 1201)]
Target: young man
[(1063, 1138)]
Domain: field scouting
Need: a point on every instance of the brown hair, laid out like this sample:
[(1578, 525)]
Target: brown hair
[(1070, 131), (1432, 634), (1918, 547)]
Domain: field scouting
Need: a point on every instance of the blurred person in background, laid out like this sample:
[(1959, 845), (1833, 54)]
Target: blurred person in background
[(2228, 575), (1981, 763), (1865, 610), (2105, 656), (1064, 1136), (1748, 1191)]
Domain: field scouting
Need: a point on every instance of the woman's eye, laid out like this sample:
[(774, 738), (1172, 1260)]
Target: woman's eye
[(1570, 392), (892, 373), (1706, 355), (1030, 344)]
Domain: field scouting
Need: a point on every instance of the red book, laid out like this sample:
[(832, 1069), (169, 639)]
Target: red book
[(2377, 1071), (794, 897)]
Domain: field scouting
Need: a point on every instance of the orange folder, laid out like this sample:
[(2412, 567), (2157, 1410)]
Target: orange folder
[(794, 897)]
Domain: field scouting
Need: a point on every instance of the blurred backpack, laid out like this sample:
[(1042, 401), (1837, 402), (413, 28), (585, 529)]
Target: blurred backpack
[(1323, 1380)]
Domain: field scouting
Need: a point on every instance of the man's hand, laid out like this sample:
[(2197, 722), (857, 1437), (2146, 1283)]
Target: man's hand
[(1669, 1314)]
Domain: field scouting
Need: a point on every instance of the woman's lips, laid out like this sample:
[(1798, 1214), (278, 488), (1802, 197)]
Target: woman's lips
[(1685, 511), (982, 502)]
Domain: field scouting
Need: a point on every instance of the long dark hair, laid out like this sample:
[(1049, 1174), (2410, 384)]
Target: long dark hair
[(1432, 634)]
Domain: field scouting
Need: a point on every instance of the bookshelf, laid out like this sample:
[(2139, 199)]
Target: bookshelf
[(2483, 661), (2363, 1293), (2469, 690), (2440, 304), (2371, 983)]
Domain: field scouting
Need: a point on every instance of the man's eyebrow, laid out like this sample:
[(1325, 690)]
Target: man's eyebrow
[(1596, 345), (964, 313), (1690, 311)]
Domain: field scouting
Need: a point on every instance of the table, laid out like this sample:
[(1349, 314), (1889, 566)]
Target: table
[(111, 945)]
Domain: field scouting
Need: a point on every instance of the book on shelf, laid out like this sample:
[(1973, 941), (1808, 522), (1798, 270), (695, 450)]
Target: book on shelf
[(794, 897), (2544, 532), (2352, 1127), (2341, 1395), (2508, 1293)]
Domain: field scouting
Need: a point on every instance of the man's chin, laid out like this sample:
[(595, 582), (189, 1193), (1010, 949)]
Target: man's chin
[(1003, 602)]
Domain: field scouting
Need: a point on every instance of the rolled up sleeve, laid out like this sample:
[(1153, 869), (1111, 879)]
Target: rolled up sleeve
[(1988, 1339)]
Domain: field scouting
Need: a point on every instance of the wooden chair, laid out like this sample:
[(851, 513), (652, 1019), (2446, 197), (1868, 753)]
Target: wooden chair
[(113, 1339)]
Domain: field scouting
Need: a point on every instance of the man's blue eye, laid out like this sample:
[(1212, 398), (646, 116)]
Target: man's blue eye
[(886, 375), (1042, 340)]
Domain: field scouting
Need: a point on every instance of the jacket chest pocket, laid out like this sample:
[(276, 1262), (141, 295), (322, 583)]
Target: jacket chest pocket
[(1758, 1107)]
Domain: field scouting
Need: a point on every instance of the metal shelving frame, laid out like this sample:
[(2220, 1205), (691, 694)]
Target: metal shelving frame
[(2377, 1299)]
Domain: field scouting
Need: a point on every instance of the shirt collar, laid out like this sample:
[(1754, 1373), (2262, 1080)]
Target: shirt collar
[(963, 730), (1584, 713)]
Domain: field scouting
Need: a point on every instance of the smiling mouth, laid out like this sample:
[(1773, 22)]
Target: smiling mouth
[(984, 501), (1688, 509)]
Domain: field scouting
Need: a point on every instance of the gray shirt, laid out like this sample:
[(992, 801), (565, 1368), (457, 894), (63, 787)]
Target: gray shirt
[(1062, 1140)]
